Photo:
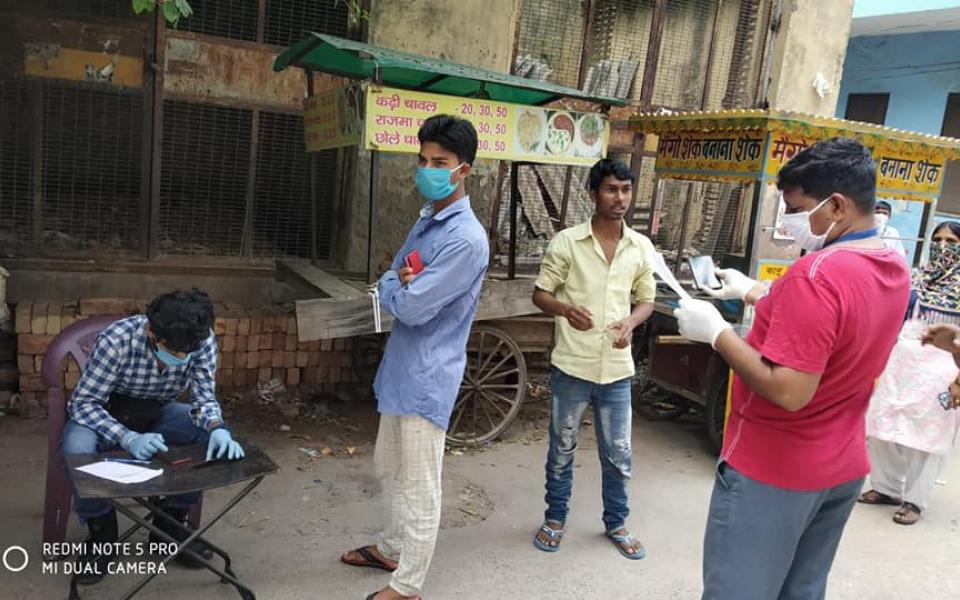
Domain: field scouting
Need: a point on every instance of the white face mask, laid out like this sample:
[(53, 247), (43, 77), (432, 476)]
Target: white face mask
[(798, 226), (881, 221)]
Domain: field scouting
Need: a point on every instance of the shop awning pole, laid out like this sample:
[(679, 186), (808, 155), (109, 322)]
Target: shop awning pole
[(514, 197)]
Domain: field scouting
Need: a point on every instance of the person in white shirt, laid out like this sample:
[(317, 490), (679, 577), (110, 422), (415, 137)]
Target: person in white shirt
[(889, 235)]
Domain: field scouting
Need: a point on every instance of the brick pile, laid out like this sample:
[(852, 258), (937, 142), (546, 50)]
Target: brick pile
[(255, 345)]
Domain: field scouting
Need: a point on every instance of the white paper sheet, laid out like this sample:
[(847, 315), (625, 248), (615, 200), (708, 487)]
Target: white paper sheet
[(120, 472), (662, 271)]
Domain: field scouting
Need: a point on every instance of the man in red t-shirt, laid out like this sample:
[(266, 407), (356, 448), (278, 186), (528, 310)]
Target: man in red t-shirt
[(794, 456)]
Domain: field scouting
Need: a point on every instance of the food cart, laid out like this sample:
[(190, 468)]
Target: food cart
[(517, 120), (743, 150)]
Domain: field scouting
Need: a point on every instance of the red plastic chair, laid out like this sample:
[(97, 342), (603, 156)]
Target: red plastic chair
[(78, 341)]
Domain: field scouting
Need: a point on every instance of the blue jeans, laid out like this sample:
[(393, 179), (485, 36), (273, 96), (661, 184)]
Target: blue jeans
[(768, 543), (612, 420), (177, 428)]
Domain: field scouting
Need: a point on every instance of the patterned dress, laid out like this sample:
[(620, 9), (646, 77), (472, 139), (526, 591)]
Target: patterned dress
[(904, 408)]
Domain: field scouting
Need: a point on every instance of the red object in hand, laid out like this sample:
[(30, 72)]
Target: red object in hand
[(413, 262)]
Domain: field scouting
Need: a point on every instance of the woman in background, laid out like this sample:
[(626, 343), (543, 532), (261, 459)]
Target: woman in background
[(910, 428)]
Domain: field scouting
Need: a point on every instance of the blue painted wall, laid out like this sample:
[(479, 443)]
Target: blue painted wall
[(918, 70)]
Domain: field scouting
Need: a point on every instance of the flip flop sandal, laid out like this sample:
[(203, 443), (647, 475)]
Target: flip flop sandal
[(619, 541), (553, 534), (875, 497), (369, 560), (908, 514)]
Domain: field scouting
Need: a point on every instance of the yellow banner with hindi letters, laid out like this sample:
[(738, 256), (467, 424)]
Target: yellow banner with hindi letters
[(504, 131), (710, 153), (906, 171)]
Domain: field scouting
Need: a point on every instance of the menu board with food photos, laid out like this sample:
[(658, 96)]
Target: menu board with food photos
[(504, 131)]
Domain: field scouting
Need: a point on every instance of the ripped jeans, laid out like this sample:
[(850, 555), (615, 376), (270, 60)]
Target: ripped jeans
[(612, 420)]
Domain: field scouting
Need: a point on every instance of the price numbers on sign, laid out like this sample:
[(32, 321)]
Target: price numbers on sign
[(497, 129), (487, 145), (468, 109)]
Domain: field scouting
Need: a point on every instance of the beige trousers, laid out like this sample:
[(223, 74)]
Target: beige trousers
[(409, 460), (902, 472)]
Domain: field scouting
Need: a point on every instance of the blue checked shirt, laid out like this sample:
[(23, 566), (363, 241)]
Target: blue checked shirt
[(424, 361), (124, 362)]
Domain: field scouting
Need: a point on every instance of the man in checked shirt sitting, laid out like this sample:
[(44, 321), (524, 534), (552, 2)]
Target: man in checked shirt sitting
[(128, 397)]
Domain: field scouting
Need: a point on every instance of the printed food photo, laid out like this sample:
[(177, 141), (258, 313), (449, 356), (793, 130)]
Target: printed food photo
[(560, 130)]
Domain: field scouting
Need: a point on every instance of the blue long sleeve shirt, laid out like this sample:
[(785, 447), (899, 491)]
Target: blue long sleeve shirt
[(425, 357)]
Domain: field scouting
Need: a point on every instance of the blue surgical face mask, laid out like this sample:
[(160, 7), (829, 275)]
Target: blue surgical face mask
[(434, 184), (171, 360)]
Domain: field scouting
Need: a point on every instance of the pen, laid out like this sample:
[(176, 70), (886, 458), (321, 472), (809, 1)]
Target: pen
[(128, 461)]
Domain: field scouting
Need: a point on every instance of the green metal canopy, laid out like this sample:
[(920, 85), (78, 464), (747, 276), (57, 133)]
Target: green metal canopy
[(356, 60)]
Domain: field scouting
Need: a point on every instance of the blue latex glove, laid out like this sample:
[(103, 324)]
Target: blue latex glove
[(222, 443), (143, 445)]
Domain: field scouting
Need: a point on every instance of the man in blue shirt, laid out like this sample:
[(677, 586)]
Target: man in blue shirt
[(423, 365), (127, 397)]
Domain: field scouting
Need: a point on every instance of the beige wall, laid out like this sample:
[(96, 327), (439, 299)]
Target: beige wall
[(812, 40), (475, 32)]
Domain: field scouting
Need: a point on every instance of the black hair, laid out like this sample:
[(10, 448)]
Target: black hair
[(606, 167), (837, 165), (453, 133), (953, 226), (181, 320), (884, 204)]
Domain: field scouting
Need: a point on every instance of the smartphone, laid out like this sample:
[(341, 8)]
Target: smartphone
[(413, 261), (944, 399), (704, 273)]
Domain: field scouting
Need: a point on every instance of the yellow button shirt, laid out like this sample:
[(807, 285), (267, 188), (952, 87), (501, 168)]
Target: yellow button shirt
[(576, 272)]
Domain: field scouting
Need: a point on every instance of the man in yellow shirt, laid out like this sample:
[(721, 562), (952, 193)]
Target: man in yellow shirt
[(590, 275)]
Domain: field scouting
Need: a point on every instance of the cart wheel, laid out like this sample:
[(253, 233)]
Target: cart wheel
[(367, 352), (716, 414), (494, 383), (657, 404)]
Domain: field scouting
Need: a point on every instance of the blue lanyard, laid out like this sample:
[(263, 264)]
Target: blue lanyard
[(856, 235)]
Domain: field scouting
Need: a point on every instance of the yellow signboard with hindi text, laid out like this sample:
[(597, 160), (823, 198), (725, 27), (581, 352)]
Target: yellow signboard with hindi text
[(695, 153), (331, 119), (904, 171), (504, 131)]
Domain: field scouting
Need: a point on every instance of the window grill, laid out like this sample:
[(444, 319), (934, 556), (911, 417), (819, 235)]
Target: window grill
[(682, 66), (739, 52), (235, 19), (16, 166), (281, 221), (204, 172), (619, 42), (116, 9), (70, 155), (551, 40), (539, 205), (712, 219), (287, 22), (92, 147)]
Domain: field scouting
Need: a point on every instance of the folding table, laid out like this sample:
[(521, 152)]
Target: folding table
[(176, 479)]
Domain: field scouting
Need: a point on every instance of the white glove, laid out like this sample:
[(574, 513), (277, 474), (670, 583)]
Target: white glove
[(700, 321), (736, 285)]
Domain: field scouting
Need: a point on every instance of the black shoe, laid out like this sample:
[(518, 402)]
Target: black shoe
[(92, 567), (180, 515)]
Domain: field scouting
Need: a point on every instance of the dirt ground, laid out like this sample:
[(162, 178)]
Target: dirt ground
[(286, 536)]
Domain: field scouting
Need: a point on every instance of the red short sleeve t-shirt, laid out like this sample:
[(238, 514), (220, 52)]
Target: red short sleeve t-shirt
[(837, 313)]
